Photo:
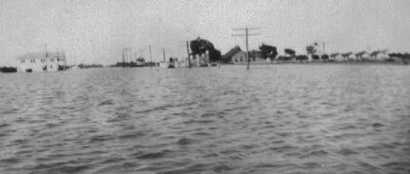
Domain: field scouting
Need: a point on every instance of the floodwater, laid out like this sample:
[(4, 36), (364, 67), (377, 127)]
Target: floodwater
[(270, 119)]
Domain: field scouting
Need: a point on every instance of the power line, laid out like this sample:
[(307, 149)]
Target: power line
[(246, 34)]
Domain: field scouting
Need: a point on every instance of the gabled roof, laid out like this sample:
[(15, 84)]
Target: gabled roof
[(231, 52), (239, 53)]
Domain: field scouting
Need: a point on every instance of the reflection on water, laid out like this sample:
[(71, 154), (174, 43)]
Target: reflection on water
[(271, 119)]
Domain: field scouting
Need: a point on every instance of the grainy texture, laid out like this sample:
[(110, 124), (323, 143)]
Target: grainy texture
[(270, 119)]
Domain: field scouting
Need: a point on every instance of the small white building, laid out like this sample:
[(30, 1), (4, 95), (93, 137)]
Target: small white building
[(240, 58), (140, 61), (41, 62)]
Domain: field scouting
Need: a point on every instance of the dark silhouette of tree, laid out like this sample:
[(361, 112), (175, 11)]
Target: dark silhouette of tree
[(200, 46), (284, 58), (215, 55), (253, 54), (302, 57), (374, 54), (334, 55), (346, 55), (404, 57), (311, 50), (360, 54), (290, 52), (8, 69), (325, 57), (315, 57), (268, 51)]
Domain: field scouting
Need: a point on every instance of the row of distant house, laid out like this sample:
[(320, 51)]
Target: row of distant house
[(237, 56)]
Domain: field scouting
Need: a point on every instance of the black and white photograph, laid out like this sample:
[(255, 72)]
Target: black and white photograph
[(204, 87)]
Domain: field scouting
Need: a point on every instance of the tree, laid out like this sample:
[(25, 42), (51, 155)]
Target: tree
[(311, 50), (302, 57), (200, 46), (334, 55), (290, 52), (347, 55), (268, 51), (315, 57), (215, 55), (325, 57), (374, 54), (360, 54)]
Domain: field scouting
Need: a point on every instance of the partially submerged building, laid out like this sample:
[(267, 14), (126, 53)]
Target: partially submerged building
[(255, 57), (41, 62)]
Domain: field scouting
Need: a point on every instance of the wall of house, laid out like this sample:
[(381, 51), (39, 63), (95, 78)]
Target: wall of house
[(240, 58), (39, 64)]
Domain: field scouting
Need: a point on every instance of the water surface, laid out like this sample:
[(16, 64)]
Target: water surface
[(271, 119)]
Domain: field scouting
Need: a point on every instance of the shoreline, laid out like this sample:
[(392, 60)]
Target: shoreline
[(326, 63), (8, 69)]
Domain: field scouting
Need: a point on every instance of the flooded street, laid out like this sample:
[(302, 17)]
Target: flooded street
[(270, 119)]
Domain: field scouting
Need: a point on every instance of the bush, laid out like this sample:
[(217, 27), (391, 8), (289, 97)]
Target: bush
[(325, 57), (315, 57), (8, 69), (302, 57)]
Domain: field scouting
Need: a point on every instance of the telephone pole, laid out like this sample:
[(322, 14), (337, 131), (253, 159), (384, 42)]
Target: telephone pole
[(188, 54), (45, 49), (246, 30), (150, 54), (163, 54), (324, 47), (123, 56)]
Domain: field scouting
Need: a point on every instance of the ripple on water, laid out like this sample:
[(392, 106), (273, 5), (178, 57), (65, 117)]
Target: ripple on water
[(272, 119), (185, 141), (155, 155), (106, 102)]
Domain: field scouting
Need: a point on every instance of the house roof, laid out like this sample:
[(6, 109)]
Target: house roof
[(231, 52), (41, 55), (240, 53)]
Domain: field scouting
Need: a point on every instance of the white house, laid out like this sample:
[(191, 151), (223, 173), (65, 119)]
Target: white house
[(254, 58), (41, 62)]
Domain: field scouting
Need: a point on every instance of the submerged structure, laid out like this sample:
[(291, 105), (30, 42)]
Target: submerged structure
[(42, 62)]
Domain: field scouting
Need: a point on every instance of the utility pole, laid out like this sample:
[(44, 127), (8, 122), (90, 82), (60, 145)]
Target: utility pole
[(45, 49), (324, 50), (163, 54), (136, 55), (246, 29), (150, 53), (123, 56), (187, 51)]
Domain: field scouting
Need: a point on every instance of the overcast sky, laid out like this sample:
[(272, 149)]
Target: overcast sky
[(95, 31)]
